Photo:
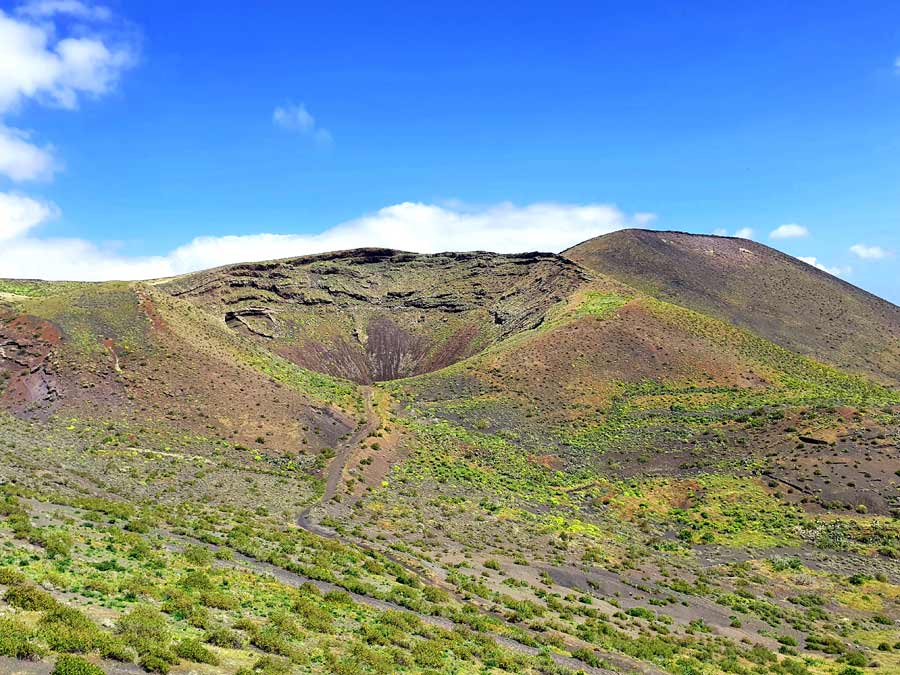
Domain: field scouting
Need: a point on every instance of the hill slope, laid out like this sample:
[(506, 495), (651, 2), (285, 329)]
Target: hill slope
[(758, 288), (380, 462)]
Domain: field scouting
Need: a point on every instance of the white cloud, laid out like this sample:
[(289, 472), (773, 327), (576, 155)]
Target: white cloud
[(742, 233), (425, 228), (298, 119), (897, 65), (836, 271), (294, 118), (789, 231), (41, 9), (19, 214), (37, 63), (21, 160), (869, 252), (46, 61)]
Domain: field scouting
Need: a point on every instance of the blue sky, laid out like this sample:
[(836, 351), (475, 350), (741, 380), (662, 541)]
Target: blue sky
[(136, 127)]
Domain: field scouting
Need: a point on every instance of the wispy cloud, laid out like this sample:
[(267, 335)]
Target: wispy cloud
[(835, 271), (19, 214), (410, 226), (869, 252), (789, 231), (22, 160), (40, 9), (297, 118)]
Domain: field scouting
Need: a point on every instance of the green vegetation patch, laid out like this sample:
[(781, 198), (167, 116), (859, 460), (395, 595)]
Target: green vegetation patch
[(600, 305), (37, 289)]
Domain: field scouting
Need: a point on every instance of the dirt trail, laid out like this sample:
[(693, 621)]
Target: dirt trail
[(304, 521), (336, 467)]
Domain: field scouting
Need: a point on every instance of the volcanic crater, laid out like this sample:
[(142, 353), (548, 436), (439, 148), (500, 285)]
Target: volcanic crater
[(372, 315)]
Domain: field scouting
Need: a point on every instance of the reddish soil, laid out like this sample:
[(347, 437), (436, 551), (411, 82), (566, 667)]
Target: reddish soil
[(577, 362), (756, 287), (26, 347)]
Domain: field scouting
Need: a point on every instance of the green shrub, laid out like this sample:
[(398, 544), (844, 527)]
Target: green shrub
[(178, 603), (17, 640), (824, 643), (56, 544), (245, 624), (338, 598), (792, 667), (145, 630), (11, 577), (271, 640), (222, 637), (199, 617), (139, 525), (193, 650), (267, 665), (196, 581), (642, 612), (29, 598), (286, 624), (112, 647), (428, 653), (313, 616), (154, 663), (588, 656), (75, 665), (435, 595), (218, 599), (856, 659), (65, 629)]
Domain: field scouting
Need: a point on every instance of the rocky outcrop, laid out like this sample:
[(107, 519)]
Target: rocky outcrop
[(253, 320), (28, 381)]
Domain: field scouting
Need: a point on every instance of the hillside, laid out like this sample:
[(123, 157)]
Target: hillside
[(375, 461), (750, 285)]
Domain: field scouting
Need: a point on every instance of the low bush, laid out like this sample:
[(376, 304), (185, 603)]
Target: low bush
[(29, 598), (75, 665), (11, 577), (17, 640), (65, 629), (154, 663), (223, 637), (145, 630), (267, 665), (193, 650)]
